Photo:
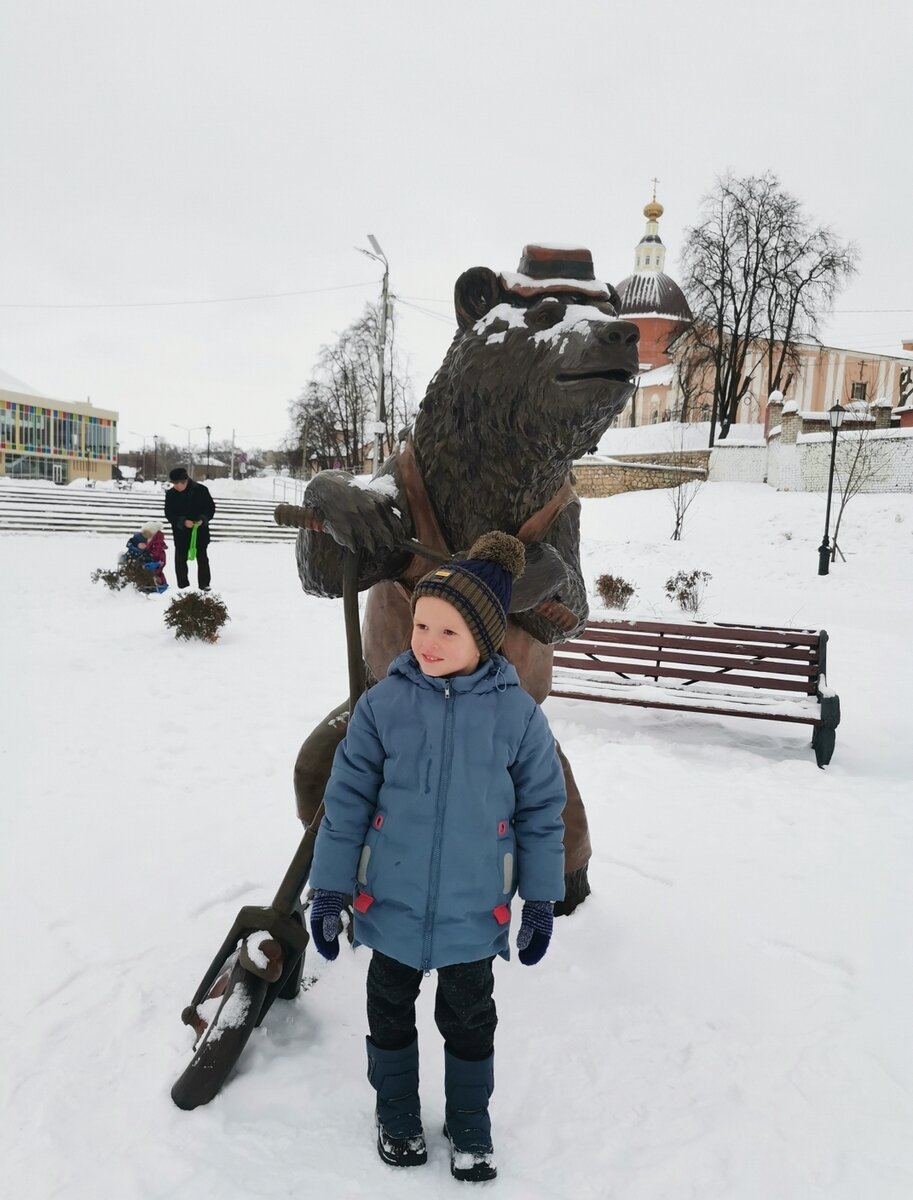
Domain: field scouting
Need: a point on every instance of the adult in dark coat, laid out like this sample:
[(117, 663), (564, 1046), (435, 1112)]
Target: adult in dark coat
[(189, 504)]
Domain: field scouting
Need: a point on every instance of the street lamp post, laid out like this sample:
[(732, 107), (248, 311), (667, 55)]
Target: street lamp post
[(208, 432), (145, 437), (155, 457), (189, 430), (379, 425), (835, 415)]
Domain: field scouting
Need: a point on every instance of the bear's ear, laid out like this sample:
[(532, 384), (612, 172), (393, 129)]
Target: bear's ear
[(474, 294)]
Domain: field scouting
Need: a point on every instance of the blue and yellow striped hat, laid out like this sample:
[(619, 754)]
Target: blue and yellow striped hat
[(479, 587)]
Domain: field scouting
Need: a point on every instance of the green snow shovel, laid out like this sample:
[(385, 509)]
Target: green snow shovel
[(192, 549)]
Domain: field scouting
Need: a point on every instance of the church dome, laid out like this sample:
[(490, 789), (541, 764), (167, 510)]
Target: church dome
[(652, 294)]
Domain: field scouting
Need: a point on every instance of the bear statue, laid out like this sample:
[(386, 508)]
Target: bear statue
[(539, 366)]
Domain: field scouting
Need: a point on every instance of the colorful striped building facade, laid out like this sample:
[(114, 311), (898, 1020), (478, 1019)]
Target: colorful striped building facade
[(48, 439)]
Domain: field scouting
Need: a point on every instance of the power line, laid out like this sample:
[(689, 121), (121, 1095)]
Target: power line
[(215, 300), (426, 311)]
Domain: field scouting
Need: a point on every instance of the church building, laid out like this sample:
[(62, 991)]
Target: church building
[(657, 306), (824, 374)]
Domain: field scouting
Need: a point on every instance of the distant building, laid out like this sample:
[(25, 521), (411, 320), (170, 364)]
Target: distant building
[(657, 306), (822, 375), (210, 467), (651, 298), (49, 439)]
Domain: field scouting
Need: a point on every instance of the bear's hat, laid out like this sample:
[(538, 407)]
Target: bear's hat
[(546, 270)]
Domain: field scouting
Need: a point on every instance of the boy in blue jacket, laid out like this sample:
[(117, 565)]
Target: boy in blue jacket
[(445, 799)]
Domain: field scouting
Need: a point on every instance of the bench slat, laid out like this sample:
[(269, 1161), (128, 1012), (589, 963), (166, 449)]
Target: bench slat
[(758, 633), (747, 648), (686, 708), (663, 656), (627, 668)]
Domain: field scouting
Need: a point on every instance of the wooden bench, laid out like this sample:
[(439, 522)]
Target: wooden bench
[(729, 670)]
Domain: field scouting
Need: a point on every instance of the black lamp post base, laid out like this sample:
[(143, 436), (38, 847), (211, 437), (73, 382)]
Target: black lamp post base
[(824, 558)]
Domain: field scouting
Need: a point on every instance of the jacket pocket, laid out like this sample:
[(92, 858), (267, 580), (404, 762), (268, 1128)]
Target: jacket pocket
[(368, 849), (506, 857), (365, 857)]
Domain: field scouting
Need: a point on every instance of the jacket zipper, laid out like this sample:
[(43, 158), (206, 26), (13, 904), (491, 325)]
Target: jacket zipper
[(434, 870)]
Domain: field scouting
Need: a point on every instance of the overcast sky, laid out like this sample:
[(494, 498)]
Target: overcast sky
[(193, 150)]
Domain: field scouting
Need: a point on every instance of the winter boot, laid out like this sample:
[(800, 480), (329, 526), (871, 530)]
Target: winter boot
[(394, 1076), (467, 1088)]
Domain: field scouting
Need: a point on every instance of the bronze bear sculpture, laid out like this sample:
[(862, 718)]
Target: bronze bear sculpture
[(539, 366)]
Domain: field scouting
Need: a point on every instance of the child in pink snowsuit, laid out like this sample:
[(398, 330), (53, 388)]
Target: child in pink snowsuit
[(149, 545)]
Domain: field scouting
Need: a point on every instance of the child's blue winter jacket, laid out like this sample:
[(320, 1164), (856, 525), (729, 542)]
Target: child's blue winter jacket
[(445, 799)]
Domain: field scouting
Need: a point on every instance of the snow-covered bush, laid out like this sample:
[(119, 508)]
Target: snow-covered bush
[(123, 575), (614, 591), (195, 615), (687, 589), (113, 577)]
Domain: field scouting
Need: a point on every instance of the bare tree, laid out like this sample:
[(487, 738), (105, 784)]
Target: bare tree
[(695, 378), (683, 494), (906, 387), (758, 274), (330, 415), (860, 461)]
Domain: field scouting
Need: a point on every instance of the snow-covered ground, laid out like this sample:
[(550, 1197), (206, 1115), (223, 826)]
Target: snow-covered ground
[(727, 1017), (667, 437)]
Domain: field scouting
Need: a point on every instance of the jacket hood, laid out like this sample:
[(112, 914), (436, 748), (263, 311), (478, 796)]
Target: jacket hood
[(496, 673)]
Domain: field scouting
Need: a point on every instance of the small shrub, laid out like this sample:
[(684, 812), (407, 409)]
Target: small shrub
[(126, 574), (115, 578), (687, 589), (136, 573), (195, 615), (899, 518), (787, 535), (614, 591)]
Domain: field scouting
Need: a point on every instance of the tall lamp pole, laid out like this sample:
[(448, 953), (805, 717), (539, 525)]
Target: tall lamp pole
[(208, 432), (379, 426), (835, 415), (189, 430), (155, 457), (145, 437)]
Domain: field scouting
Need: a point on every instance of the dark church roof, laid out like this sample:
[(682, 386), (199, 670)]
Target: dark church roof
[(652, 294)]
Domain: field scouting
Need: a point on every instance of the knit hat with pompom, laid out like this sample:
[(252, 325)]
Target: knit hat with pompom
[(479, 587), (151, 528)]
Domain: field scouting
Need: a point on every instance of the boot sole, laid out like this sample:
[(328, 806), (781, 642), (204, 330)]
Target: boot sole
[(408, 1158), (479, 1172)]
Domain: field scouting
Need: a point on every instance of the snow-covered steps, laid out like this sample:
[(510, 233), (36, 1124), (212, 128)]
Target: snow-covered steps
[(41, 509)]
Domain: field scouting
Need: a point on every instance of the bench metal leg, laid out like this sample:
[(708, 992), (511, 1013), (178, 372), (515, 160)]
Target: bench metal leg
[(823, 740), (825, 735)]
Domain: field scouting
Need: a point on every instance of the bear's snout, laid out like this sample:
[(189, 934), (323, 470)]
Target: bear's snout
[(623, 333)]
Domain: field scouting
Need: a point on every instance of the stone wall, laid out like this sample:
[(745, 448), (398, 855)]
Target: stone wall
[(783, 468), (799, 449), (638, 472), (734, 462), (889, 460)]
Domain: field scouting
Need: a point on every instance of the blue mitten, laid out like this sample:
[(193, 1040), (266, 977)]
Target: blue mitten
[(535, 931), (325, 910), (152, 566)]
